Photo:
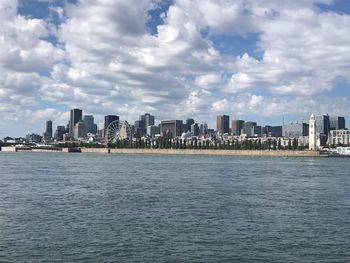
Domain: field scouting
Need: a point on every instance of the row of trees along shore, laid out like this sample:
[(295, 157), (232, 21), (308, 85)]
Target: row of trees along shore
[(167, 143)]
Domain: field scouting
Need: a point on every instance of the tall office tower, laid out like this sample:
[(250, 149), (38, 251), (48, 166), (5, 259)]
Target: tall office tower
[(140, 128), (48, 131), (195, 129), (188, 124), (337, 123), (79, 130), (295, 130), (322, 124), (76, 115), (249, 128), (89, 123), (109, 119), (148, 119), (203, 128), (237, 127), (312, 133), (171, 127), (223, 124), (60, 131)]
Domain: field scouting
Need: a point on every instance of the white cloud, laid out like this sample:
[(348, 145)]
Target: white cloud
[(108, 62)]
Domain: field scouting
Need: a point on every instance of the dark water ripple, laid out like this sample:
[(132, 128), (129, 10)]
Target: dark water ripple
[(144, 208)]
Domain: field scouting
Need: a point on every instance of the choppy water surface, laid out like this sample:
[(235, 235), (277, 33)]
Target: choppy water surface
[(150, 208)]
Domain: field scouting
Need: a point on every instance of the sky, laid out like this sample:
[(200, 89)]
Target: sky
[(263, 61)]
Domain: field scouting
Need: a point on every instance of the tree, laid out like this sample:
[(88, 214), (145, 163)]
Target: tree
[(279, 146), (295, 144), (274, 144)]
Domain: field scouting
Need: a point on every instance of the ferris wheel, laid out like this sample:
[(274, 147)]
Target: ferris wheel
[(117, 131)]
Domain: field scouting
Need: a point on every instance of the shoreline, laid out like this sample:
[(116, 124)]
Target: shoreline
[(257, 153)]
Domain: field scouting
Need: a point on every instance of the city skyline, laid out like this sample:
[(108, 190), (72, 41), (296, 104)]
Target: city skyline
[(262, 61)]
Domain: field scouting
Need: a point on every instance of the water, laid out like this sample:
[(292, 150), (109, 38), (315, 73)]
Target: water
[(152, 208)]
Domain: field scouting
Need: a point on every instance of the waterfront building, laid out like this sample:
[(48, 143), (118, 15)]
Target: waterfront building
[(109, 119), (48, 131), (79, 130), (336, 123), (295, 130), (249, 128), (312, 133), (60, 131), (90, 126), (237, 127), (76, 115), (339, 137), (153, 130), (223, 124), (173, 128)]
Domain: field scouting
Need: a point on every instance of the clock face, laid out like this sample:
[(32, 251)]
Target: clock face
[(311, 133), (311, 126)]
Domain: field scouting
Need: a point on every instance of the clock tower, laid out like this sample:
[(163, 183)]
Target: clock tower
[(312, 134)]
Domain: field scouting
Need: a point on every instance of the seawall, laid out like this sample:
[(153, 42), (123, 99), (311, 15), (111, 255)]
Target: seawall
[(206, 152), (271, 153)]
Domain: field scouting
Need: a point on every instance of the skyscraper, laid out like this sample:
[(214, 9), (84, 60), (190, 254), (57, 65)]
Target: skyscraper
[(249, 128), (60, 131), (189, 122), (172, 128), (75, 116), (89, 124), (237, 127), (109, 119), (223, 124), (322, 124), (148, 119), (337, 123), (48, 131)]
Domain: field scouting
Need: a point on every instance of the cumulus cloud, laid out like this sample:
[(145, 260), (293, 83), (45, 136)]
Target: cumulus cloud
[(105, 60)]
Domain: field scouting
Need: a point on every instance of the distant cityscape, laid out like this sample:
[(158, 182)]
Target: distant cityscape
[(330, 132)]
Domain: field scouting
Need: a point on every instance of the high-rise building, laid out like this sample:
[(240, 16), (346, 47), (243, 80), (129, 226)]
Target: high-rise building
[(48, 131), (109, 119), (188, 124), (33, 138), (322, 124), (203, 128), (249, 128), (274, 131), (337, 123), (148, 119), (153, 130), (60, 131), (76, 115), (223, 124), (89, 124), (295, 130), (172, 128), (195, 129), (237, 127), (79, 130), (140, 127)]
